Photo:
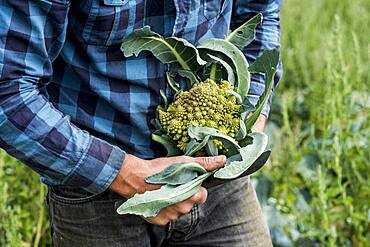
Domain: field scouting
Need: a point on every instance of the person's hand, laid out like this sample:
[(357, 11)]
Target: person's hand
[(131, 180)]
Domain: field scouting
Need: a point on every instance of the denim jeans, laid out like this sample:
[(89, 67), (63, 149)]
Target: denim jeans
[(230, 217)]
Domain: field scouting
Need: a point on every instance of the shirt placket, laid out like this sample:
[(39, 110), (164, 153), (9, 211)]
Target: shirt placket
[(182, 8), (182, 16)]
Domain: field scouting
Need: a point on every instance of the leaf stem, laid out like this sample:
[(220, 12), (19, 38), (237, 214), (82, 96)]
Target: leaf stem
[(212, 74), (178, 57), (181, 61)]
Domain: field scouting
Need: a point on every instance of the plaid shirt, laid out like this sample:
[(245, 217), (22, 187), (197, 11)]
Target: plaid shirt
[(71, 105)]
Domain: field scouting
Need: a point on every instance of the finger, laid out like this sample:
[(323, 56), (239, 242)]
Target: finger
[(148, 187), (182, 159), (211, 163), (183, 207), (172, 213), (161, 219), (157, 221), (162, 163), (200, 197)]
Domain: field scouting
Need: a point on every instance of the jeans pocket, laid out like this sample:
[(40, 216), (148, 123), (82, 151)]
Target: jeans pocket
[(67, 195), (80, 218)]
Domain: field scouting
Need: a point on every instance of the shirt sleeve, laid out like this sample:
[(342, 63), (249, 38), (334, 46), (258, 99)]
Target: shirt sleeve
[(267, 37), (32, 34)]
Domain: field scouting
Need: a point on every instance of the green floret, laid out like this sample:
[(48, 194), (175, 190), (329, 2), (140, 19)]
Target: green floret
[(206, 104)]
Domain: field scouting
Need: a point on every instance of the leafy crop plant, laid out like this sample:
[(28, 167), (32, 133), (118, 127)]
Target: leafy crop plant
[(210, 113)]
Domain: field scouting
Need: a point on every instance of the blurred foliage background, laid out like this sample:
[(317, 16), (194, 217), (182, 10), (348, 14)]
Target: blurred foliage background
[(315, 191)]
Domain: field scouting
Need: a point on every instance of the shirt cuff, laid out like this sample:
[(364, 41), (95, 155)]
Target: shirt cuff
[(98, 167)]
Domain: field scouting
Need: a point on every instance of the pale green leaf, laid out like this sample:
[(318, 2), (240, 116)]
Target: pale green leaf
[(189, 75), (246, 141), (164, 99), (249, 155), (211, 148), (229, 70), (199, 133), (168, 143), (167, 50), (244, 35), (151, 202), (193, 146), (178, 173), (247, 108), (235, 157), (237, 96), (242, 132), (171, 82), (221, 48), (214, 72), (267, 63)]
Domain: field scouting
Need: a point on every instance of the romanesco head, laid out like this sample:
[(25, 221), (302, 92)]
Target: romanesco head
[(206, 104)]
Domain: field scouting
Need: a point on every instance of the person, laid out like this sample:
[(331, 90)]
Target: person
[(78, 112)]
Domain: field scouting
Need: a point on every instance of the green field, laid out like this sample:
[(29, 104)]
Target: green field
[(315, 190)]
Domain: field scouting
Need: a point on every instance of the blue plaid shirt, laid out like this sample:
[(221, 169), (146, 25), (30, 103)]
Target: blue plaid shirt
[(71, 105)]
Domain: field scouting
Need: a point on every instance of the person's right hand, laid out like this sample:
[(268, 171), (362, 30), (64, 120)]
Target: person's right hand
[(131, 180)]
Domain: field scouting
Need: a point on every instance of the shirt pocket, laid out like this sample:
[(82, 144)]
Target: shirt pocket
[(106, 22), (212, 9)]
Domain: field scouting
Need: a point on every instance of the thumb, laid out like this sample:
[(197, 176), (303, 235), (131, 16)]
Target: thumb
[(211, 163)]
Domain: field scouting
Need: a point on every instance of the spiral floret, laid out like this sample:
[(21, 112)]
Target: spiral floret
[(206, 104)]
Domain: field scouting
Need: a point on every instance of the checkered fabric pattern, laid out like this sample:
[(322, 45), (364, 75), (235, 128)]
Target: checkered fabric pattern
[(71, 105)]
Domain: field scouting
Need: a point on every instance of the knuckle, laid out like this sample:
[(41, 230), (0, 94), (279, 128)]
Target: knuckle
[(170, 214), (203, 190), (196, 197), (182, 158), (204, 161), (186, 209), (173, 217), (200, 197), (161, 222), (203, 195), (208, 160), (141, 190), (213, 162), (187, 158), (152, 220)]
